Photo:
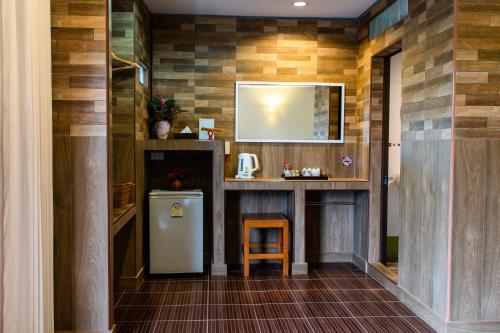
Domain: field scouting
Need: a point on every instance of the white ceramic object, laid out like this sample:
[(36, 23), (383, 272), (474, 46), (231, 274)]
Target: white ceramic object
[(162, 129), (306, 172), (315, 172)]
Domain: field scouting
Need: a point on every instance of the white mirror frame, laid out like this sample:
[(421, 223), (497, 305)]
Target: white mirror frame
[(260, 83)]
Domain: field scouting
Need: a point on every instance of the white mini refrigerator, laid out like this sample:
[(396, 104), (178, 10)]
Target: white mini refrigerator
[(175, 232)]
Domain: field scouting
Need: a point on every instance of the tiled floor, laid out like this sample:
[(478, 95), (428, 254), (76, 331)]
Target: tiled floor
[(332, 298)]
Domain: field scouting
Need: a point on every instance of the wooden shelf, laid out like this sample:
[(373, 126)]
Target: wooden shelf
[(181, 144), (121, 216), (282, 184)]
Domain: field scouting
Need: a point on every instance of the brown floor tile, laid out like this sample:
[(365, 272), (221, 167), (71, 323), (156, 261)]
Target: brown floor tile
[(131, 298), (385, 295), (284, 325), (315, 295), (359, 274), (273, 296), (229, 297), (324, 310), (357, 295), (386, 325), (135, 327), (228, 285), (230, 326), (402, 309), (371, 284), (278, 311), (323, 301), (265, 285), (183, 312), (266, 275), (153, 287), (181, 327), (345, 284), (226, 311), (136, 313), (336, 325), (187, 286), (371, 309), (306, 284), (186, 298), (329, 274)]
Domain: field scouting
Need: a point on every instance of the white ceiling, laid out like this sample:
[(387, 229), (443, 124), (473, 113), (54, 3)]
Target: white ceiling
[(272, 8)]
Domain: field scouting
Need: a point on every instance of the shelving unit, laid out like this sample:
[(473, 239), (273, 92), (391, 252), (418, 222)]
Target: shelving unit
[(121, 216)]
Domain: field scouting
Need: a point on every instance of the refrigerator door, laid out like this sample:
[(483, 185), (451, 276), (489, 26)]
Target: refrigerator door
[(176, 232)]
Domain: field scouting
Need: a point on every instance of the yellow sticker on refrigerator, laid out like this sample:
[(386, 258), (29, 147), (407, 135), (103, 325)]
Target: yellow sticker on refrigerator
[(177, 210)]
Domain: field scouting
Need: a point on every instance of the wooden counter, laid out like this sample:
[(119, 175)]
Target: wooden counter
[(349, 184)]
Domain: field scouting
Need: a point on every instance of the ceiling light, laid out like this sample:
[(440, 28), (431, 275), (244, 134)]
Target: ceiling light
[(300, 3)]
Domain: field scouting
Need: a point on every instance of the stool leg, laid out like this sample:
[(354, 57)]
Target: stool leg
[(285, 250), (246, 251), (280, 242)]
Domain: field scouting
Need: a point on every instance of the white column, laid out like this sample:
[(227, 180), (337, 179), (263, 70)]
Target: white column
[(25, 167)]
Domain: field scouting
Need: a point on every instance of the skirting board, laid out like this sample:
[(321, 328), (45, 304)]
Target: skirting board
[(299, 268), (473, 327), (219, 270), (132, 283), (360, 262)]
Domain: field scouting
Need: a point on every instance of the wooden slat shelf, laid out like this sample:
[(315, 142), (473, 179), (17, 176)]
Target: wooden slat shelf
[(121, 216)]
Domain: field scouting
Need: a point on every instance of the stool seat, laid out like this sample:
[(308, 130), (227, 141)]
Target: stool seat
[(265, 221)]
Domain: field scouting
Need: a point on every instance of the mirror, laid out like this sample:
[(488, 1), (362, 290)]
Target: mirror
[(289, 112)]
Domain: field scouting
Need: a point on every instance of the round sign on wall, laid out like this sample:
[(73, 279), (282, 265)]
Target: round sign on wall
[(347, 161)]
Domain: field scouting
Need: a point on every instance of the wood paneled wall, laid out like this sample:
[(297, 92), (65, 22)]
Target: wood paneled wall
[(197, 60), (427, 42), (476, 229), (79, 74)]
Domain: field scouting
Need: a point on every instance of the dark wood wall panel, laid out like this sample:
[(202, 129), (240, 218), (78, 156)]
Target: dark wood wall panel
[(79, 76), (197, 60)]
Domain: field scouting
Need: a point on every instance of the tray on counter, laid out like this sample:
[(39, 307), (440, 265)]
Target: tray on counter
[(322, 177)]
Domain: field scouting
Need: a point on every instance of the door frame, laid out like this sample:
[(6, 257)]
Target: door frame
[(384, 165)]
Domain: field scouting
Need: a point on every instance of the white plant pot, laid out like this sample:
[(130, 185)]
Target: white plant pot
[(162, 128)]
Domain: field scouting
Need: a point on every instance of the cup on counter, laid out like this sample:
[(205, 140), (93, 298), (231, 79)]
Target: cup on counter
[(315, 172), (306, 172)]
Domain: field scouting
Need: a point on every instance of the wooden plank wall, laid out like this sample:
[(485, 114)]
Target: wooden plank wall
[(81, 241), (476, 205), (426, 36), (198, 59)]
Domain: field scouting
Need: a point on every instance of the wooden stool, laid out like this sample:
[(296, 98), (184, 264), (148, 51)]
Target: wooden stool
[(265, 221)]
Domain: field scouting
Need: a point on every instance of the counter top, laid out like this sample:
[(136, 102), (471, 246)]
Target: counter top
[(282, 184)]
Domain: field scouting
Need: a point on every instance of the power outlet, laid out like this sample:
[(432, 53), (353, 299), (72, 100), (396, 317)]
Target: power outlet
[(157, 156)]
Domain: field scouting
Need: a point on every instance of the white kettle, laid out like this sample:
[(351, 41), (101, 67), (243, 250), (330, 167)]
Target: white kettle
[(247, 165)]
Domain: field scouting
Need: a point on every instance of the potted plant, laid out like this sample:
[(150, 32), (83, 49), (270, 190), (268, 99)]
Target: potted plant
[(162, 113)]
